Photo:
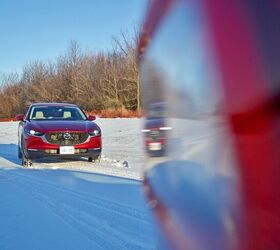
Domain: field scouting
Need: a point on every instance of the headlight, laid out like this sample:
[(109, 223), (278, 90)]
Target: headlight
[(95, 132), (32, 132), (146, 130), (165, 128)]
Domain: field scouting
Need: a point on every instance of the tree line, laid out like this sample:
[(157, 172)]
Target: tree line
[(94, 81)]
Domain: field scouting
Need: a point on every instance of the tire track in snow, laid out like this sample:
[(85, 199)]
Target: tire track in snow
[(88, 214), (98, 201)]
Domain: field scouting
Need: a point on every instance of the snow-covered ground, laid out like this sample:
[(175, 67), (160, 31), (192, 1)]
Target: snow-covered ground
[(62, 204)]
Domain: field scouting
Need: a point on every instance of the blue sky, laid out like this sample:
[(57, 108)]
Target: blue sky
[(37, 29)]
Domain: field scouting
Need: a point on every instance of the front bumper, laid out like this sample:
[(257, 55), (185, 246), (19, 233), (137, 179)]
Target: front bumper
[(155, 148), (36, 147), (54, 153)]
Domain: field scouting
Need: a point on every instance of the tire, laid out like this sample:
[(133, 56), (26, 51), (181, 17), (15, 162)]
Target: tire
[(97, 159), (19, 153), (25, 161)]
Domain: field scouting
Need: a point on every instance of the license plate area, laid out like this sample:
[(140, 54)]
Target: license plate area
[(155, 146), (66, 150)]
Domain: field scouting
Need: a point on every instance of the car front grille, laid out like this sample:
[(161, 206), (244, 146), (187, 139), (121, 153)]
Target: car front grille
[(66, 138), (154, 134)]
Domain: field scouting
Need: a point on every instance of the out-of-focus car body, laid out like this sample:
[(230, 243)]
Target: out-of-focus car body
[(57, 130), (216, 66), (155, 131)]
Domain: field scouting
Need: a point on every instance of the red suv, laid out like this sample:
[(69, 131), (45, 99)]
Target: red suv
[(57, 130)]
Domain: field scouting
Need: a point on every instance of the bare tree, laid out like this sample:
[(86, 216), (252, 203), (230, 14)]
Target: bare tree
[(95, 81), (126, 45)]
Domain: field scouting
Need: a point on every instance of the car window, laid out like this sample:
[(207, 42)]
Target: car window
[(56, 113)]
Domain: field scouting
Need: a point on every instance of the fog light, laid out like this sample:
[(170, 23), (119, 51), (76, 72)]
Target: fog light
[(51, 151), (80, 150)]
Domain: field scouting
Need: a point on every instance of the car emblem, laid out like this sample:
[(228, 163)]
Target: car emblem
[(67, 136)]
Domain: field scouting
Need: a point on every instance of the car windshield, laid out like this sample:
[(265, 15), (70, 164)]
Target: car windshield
[(157, 112), (56, 113)]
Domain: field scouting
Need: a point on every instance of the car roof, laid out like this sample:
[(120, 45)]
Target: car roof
[(53, 104)]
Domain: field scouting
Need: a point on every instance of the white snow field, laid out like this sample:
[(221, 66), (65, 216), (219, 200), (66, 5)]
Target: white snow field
[(62, 204)]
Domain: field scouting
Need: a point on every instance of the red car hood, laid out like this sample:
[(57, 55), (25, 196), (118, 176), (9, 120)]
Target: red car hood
[(51, 126)]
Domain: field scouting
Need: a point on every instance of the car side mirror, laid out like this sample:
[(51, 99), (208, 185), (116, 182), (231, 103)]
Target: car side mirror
[(20, 117), (91, 117)]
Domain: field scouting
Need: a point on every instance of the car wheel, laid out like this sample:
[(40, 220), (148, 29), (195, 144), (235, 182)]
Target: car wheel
[(19, 153), (26, 162), (97, 159)]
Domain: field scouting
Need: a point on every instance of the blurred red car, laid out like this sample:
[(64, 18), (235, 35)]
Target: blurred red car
[(216, 66), (57, 130), (155, 131)]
